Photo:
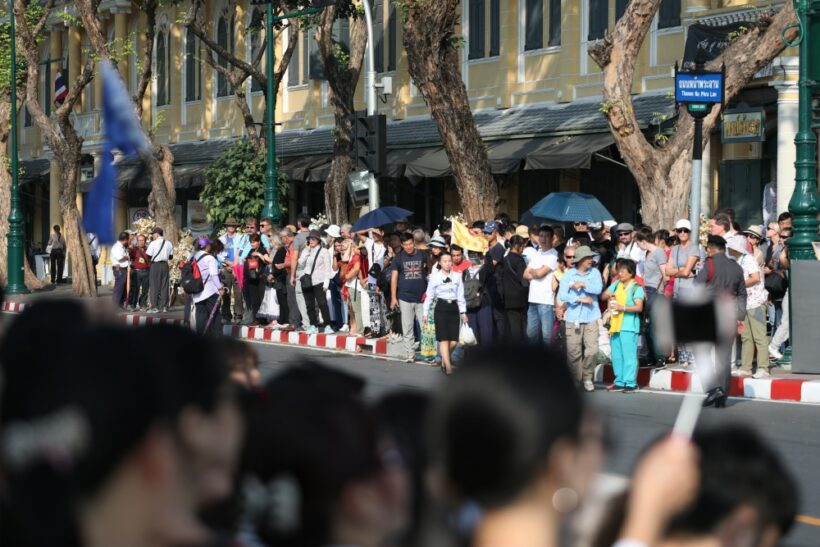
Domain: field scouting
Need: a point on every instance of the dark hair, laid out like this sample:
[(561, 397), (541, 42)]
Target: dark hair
[(124, 236), (723, 220), (558, 230), (57, 228), (672, 240), (494, 427), (454, 248), (238, 354), (737, 468), (406, 236), (503, 218), (255, 238), (645, 235), (445, 225), (546, 228), (303, 221), (444, 252), (478, 224), (269, 220), (311, 428), (785, 215), (506, 228), (661, 234), (627, 264), (720, 246), (727, 211), (517, 240), (217, 246)]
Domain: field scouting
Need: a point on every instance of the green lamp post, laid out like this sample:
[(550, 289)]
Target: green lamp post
[(271, 208), (16, 235), (804, 202)]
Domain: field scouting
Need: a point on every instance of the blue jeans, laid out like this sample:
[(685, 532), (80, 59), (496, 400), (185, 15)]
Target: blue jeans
[(625, 358), (540, 320), (481, 321)]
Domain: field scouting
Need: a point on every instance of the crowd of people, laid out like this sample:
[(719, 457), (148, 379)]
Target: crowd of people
[(157, 436), (587, 288)]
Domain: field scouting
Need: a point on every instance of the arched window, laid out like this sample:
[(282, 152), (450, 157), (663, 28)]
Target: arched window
[(163, 54), (256, 30), (193, 69), (225, 39)]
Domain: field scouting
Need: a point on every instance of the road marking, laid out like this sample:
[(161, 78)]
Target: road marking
[(811, 521)]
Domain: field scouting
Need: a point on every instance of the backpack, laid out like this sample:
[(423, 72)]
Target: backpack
[(472, 289), (191, 277)]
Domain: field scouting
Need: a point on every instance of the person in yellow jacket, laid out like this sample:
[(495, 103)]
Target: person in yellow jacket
[(626, 298)]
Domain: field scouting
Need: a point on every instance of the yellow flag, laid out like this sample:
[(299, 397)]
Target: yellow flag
[(464, 239)]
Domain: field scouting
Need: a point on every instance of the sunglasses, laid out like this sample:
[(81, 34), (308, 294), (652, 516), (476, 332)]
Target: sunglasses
[(682, 230), (580, 224), (569, 257), (250, 227), (624, 234)]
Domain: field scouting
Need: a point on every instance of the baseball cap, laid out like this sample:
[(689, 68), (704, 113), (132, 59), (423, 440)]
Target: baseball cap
[(490, 226), (683, 223)]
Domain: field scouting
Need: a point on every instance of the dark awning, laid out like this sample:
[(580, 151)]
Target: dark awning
[(34, 169), (298, 168), (397, 160), (572, 152), (506, 156), (431, 164)]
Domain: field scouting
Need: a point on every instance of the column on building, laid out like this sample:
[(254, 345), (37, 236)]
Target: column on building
[(75, 61), (54, 215), (121, 36), (694, 6), (787, 125)]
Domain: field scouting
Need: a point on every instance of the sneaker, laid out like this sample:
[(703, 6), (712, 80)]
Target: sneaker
[(613, 387), (629, 389), (152, 310), (588, 386), (329, 330), (742, 373), (775, 354), (345, 328), (410, 358), (761, 373), (311, 330), (164, 310)]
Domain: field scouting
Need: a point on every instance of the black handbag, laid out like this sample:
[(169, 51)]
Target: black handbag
[(776, 285), (305, 280)]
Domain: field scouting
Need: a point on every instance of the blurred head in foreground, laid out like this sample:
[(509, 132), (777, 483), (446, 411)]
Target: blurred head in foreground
[(746, 498), (510, 435)]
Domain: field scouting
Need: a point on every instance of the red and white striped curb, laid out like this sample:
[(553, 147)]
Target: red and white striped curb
[(320, 340), (774, 389), (353, 344)]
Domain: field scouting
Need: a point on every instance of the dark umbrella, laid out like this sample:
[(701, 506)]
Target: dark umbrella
[(380, 217), (569, 207)]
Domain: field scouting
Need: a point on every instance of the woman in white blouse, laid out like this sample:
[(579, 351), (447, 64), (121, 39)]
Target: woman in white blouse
[(315, 261), (447, 289)]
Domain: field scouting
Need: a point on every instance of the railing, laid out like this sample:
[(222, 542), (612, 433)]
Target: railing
[(87, 124)]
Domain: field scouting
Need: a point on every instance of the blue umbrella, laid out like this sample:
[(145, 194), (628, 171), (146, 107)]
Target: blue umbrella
[(569, 207), (380, 217)]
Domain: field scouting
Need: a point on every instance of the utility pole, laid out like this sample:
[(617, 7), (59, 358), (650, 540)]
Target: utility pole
[(370, 94), (16, 235)]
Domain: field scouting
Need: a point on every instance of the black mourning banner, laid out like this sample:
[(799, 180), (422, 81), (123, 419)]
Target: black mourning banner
[(704, 43)]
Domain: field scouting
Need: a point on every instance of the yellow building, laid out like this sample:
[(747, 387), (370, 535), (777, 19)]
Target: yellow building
[(535, 93)]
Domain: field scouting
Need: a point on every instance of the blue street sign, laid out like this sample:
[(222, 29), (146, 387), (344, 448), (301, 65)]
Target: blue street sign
[(699, 87)]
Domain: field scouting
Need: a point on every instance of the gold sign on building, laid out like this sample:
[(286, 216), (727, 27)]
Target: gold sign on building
[(743, 125)]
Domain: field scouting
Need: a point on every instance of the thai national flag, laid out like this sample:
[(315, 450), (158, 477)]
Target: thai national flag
[(60, 90)]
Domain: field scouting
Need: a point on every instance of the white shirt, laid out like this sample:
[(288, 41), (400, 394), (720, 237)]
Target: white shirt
[(438, 287), (119, 255), (209, 269), (321, 273), (636, 254), (375, 255), (94, 244), (541, 289), (160, 250)]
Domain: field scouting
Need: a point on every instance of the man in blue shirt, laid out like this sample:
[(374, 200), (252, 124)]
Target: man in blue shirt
[(580, 288), (407, 285), (233, 243)]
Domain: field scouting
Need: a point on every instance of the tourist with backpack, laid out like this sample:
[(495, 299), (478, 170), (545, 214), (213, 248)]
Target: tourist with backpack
[(200, 279), (479, 305), (626, 299)]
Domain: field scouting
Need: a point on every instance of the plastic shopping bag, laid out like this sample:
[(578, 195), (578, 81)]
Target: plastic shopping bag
[(466, 336)]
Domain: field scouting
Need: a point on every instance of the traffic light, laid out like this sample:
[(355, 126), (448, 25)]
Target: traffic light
[(368, 150)]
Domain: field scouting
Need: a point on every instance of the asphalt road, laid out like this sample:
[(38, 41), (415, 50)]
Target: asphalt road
[(634, 420)]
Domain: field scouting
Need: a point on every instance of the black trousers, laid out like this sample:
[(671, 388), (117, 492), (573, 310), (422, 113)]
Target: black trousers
[(517, 323), (254, 293), (120, 278), (203, 313), (139, 288), (316, 294), (282, 298), (57, 265), (502, 324)]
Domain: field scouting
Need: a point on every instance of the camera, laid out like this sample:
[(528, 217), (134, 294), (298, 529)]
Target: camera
[(392, 314)]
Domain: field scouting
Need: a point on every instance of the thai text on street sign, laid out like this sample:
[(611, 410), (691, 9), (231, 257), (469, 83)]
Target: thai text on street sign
[(699, 87)]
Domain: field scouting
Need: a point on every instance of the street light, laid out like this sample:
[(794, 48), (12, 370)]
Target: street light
[(16, 235), (271, 208)]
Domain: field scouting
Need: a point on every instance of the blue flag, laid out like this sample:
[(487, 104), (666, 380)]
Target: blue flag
[(122, 132)]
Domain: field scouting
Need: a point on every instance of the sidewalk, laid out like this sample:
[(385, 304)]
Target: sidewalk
[(782, 386)]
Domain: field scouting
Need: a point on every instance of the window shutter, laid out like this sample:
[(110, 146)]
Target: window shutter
[(317, 68), (495, 27), (669, 16), (378, 35), (306, 50), (555, 23), (476, 35), (534, 24), (293, 66), (48, 87), (393, 39), (222, 40), (620, 8), (598, 18)]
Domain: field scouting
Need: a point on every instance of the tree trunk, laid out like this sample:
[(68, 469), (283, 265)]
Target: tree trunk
[(29, 278), (342, 79), (162, 199), (433, 58), (663, 172)]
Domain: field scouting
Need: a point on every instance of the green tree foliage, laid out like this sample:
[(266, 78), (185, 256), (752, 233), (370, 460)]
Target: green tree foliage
[(33, 14), (235, 184)]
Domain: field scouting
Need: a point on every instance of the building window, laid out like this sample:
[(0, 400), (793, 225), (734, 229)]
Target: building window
[(537, 29), (26, 117), (293, 66), (47, 89), (225, 40), (378, 31), (478, 28), (193, 69), (256, 30), (163, 67), (598, 19), (306, 52), (392, 37), (669, 14)]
